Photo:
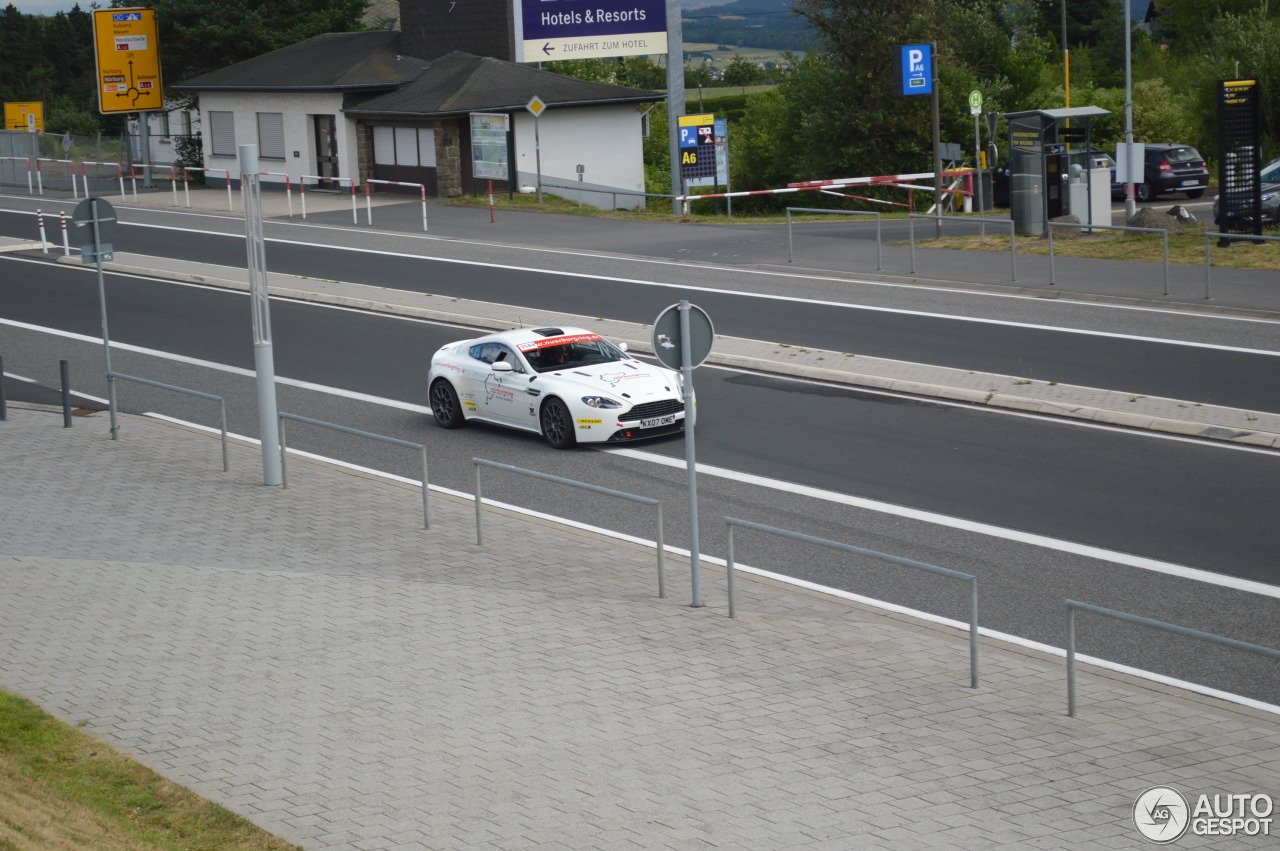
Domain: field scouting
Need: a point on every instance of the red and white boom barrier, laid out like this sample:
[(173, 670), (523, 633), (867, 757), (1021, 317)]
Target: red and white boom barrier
[(302, 191), (368, 203)]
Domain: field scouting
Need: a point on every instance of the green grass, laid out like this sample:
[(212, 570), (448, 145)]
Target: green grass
[(60, 788)]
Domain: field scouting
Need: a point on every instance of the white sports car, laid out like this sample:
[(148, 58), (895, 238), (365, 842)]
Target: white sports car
[(567, 384)]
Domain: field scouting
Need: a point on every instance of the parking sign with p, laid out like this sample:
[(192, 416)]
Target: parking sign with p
[(915, 63)]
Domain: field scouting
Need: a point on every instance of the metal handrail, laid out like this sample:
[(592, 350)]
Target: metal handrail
[(284, 451), (1073, 605), (477, 463), (222, 405), (849, 548), (1013, 239), (1049, 226), (791, 248), (1233, 236)]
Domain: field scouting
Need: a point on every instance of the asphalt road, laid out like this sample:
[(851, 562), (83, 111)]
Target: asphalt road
[(1218, 376)]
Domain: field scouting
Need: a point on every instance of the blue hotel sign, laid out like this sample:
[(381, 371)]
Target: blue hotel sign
[(915, 63), (548, 30)]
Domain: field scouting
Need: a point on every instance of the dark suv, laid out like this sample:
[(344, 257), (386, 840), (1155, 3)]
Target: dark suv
[(1169, 168)]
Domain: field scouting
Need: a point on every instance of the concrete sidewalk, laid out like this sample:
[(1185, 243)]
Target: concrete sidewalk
[(1173, 416), (316, 661)]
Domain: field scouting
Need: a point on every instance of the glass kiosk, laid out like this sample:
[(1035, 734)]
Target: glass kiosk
[(1041, 160)]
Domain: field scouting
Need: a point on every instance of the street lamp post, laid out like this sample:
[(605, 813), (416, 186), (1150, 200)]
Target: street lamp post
[(263, 355)]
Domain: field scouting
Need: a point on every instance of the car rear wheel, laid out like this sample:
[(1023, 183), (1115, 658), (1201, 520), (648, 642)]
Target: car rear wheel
[(1194, 193), (445, 405), (557, 425), (1145, 192)]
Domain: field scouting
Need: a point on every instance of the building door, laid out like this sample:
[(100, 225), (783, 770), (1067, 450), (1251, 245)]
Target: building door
[(326, 149)]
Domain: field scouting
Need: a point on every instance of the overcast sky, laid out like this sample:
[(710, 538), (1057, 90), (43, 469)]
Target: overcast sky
[(46, 7)]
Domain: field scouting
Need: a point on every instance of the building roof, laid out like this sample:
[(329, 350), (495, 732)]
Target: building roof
[(458, 83), (333, 62)]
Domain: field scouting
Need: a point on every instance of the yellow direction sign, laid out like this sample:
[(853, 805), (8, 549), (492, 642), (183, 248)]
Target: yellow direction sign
[(24, 116), (128, 56)]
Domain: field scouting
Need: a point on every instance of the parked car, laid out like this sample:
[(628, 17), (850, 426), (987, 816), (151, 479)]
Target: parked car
[(1270, 179), (567, 384), (1168, 168)]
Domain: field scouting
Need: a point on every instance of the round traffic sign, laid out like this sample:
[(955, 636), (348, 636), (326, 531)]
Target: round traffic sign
[(668, 341), (975, 101)]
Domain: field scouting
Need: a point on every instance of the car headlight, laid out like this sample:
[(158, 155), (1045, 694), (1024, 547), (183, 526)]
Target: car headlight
[(1267, 196), (600, 402)]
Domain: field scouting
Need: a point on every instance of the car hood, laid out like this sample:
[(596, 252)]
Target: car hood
[(631, 381)]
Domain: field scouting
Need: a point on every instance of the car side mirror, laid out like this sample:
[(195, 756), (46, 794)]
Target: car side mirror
[(502, 366), (622, 346)]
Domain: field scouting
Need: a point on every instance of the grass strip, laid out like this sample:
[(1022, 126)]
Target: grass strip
[(62, 789)]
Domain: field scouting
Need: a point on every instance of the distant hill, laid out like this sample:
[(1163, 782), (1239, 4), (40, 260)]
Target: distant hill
[(751, 23)]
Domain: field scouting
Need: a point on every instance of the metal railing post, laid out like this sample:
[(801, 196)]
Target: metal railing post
[(477, 463), (64, 371), (1165, 235), (791, 253), (911, 237), (892, 559), (729, 573), (222, 406), (1071, 662), (284, 453)]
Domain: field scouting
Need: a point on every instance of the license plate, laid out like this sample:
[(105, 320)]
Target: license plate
[(658, 421), (1190, 183)]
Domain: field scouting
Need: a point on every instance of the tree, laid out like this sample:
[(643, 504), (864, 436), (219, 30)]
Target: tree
[(741, 72)]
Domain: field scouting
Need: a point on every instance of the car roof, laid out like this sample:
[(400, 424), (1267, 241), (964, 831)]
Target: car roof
[(517, 336)]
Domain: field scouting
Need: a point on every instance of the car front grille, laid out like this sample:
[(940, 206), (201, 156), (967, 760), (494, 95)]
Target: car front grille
[(649, 410)]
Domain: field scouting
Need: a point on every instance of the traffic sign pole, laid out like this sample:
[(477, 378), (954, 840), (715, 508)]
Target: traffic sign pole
[(690, 459)]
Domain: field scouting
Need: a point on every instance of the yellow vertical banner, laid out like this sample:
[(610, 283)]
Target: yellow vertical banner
[(128, 57)]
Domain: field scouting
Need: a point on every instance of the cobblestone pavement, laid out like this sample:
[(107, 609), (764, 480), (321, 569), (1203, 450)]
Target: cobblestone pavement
[(315, 660)]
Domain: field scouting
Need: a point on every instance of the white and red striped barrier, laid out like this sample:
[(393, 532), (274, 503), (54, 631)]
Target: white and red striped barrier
[(368, 192), (27, 161), (66, 246), (71, 165), (173, 179), (84, 173), (302, 191), (44, 243), (186, 189), (288, 191)]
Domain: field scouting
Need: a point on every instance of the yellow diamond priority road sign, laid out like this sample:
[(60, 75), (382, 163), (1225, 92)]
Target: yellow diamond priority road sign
[(128, 57)]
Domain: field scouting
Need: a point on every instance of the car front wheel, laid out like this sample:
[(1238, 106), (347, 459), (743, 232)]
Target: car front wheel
[(445, 405), (557, 424)]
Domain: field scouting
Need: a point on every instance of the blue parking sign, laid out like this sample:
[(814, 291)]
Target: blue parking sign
[(916, 74)]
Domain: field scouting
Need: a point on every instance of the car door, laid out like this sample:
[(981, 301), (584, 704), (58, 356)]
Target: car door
[(499, 393)]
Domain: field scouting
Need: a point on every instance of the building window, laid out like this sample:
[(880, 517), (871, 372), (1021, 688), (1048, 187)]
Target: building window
[(222, 134), (164, 125), (271, 135), (408, 146), (184, 122)]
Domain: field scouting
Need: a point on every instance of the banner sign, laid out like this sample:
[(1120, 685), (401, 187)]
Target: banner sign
[(548, 30), (128, 60), (697, 149), (1239, 158), (489, 157)]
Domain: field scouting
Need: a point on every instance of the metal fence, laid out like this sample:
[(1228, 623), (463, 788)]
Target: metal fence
[(849, 548), (1074, 606), (477, 463), (112, 377), (284, 452), (1164, 235), (791, 254), (1208, 241), (1013, 239)]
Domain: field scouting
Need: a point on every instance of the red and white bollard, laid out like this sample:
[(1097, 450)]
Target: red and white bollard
[(66, 247), (40, 224)]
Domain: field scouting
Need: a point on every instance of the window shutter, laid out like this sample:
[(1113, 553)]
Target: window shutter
[(427, 146), (271, 135), (384, 146), (222, 133), (406, 146)]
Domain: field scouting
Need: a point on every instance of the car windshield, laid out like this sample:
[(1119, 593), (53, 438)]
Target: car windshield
[(1271, 174), (574, 354)]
